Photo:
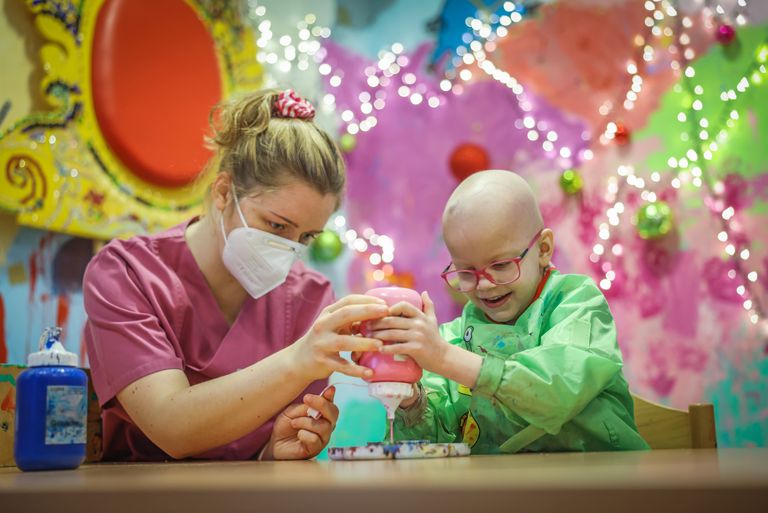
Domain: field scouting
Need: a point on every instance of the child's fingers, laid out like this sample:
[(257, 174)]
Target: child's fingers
[(404, 309), (387, 323), (394, 335), (355, 328), (429, 305)]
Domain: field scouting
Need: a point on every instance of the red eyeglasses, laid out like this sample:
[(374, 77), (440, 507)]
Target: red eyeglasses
[(499, 272)]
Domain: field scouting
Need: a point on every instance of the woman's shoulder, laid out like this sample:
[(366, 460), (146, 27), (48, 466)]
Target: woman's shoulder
[(138, 253)]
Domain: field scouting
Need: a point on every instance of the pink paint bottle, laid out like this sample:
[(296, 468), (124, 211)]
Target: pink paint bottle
[(393, 375)]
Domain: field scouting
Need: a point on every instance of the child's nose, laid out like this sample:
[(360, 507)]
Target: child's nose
[(483, 283)]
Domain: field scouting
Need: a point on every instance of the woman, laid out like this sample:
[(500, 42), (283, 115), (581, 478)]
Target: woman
[(203, 337)]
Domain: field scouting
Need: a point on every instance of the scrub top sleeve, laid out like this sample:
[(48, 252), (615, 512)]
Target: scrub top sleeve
[(125, 337)]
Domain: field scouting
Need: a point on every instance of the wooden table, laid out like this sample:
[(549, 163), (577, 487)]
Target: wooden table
[(655, 481)]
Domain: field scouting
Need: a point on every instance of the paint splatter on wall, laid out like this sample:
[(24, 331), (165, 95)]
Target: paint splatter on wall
[(41, 285)]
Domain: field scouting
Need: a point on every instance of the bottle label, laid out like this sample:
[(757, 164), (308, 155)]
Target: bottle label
[(66, 412)]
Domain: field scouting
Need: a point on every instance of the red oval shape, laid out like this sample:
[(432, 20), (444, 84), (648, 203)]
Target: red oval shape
[(155, 77)]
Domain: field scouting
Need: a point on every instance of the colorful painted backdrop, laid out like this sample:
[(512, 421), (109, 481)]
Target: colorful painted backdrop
[(641, 126)]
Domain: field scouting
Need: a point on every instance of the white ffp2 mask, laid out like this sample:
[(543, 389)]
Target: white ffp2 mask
[(259, 260)]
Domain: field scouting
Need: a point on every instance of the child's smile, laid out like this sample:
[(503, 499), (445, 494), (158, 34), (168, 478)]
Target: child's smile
[(497, 301)]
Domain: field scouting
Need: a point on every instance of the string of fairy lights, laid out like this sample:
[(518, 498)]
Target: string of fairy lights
[(692, 167), (735, 246), (485, 30), (478, 44), (607, 251), (304, 50)]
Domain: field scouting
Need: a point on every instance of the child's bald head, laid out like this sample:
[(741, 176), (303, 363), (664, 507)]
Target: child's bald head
[(498, 201), (493, 216)]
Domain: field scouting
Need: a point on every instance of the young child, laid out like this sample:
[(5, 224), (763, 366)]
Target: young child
[(532, 364)]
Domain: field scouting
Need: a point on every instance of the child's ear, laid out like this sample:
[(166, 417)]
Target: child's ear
[(546, 247)]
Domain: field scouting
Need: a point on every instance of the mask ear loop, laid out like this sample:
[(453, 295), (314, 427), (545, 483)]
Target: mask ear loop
[(221, 224), (239, 212), (237, 205)]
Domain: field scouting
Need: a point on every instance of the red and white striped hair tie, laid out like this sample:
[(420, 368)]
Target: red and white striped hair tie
[(291, 105)]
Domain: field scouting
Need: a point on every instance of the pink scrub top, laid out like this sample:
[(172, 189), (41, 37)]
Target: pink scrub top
[(150, 309)]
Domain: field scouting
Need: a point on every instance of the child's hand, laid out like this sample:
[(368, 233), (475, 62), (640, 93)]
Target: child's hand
[(417, 333), (297, 436)]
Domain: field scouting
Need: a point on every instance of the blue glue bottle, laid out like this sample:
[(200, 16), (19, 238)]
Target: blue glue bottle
[(51, 408)]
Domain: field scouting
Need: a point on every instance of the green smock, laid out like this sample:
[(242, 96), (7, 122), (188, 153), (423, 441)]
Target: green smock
[(551, 381)]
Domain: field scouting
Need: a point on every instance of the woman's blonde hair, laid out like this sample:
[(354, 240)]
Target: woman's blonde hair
[(260, 149)]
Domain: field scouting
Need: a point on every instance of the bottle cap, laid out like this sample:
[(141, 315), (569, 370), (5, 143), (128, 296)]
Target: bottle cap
[(52, 352)]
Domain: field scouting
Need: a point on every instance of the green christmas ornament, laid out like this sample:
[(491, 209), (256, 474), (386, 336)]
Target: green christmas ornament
[(347, 142), (326, 247), (571, 182), (654, 220)]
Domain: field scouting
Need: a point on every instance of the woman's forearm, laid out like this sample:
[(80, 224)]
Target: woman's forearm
[(186, 420)]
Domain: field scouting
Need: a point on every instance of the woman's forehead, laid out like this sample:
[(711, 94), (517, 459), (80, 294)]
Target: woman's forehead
[(298, 202)]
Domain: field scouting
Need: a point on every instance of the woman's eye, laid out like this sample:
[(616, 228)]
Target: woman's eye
[(308, 238), (277, 226)]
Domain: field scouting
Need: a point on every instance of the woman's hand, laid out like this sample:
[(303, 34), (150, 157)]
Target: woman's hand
[(297, 436), (316, 354)]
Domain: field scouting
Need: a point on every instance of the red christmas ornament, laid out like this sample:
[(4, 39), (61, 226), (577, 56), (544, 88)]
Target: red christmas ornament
[(622, 135), (725, 34), (468, 158)]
